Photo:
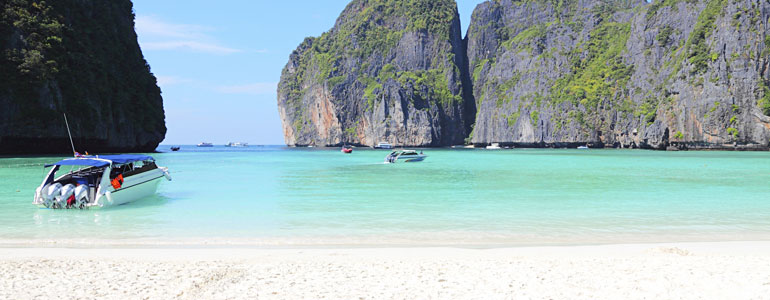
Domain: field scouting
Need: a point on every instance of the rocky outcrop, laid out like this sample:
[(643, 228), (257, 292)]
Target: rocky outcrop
[(670, 74), (388, 70), (80, 58)]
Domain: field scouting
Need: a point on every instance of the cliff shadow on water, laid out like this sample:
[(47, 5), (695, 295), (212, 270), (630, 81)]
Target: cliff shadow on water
[(629, 74)]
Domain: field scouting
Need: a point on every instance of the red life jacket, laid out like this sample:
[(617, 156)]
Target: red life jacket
[(117, 182)]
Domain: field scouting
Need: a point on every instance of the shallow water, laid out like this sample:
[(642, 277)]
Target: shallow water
[(281, 196)]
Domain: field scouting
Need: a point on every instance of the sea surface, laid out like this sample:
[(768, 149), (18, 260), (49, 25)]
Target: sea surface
[(275, 196)]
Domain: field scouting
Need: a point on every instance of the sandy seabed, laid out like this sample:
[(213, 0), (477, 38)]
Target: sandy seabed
[(724, 270)]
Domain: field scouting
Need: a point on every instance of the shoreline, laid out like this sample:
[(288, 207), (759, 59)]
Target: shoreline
[(715, 270), (423, 240), (761, 248)]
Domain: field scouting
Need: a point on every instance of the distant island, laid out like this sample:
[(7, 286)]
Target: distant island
[(626, 74), (80, 58)]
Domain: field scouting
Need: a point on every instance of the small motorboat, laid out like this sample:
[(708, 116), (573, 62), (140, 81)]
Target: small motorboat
[(405, 156), (582, 147), (204, 144), (237, 144), (99, 181), (175, 148), (383, 145), (347, 149), (494, 146)]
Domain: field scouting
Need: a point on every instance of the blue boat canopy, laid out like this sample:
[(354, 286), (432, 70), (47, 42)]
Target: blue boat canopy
[(99, 160)]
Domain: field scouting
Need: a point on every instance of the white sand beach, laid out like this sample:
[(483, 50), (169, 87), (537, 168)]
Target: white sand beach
[(722, 270)]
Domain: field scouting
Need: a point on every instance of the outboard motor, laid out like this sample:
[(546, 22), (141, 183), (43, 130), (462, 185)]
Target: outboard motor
[(66, 192), (50, 193), (81, 196)]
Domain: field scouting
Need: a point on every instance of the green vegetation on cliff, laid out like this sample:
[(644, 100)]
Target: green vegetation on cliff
[(599, 71), (368, 31), (393, 69), (696, 48), (78, 57)]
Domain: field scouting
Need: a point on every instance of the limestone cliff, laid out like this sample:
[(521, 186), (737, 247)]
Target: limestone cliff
[(82, 58), (673, 73), (389, 70)]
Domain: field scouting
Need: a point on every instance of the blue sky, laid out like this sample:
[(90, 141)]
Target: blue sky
[(218, 63)]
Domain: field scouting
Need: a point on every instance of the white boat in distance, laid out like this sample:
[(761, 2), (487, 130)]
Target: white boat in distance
[(237, 144), (204, 144), (582, 147), (405, 156), (383, 145), (494, 146), (99, 181)]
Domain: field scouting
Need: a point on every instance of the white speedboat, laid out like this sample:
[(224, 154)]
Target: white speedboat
[(204, 144), (99, 181), (494, 146), (582, 147), (383, 145), (405, 156), (236, 144)]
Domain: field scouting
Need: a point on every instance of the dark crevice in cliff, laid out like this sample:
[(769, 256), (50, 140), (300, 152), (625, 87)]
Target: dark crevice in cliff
[(468, 99)]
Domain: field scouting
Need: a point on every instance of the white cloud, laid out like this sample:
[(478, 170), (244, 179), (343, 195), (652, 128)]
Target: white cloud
[(258, 88), (158, 35), (146, 25), (171, 80), (189, 45)]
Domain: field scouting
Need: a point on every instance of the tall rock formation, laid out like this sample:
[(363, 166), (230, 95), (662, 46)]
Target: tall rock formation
[(389, 70), (681, 73), (80, 58)]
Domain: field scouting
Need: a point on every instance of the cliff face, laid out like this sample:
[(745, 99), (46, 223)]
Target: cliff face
[(675, 73), (82, 58), (539, 73), (388, 70)]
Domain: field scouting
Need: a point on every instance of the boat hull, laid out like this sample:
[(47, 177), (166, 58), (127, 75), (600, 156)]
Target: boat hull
[(132, 193), (412, 159), (135, 187)]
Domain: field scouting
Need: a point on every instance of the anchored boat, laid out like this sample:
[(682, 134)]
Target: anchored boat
[(99, 181), (383, 145), (236, 144), (405, 156)]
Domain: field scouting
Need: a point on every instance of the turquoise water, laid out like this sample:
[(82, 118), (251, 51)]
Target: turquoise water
[(279, 196)]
